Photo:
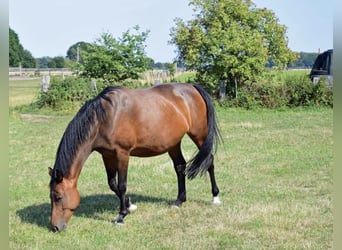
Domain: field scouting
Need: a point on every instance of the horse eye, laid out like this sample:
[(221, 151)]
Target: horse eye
[(58, 198)]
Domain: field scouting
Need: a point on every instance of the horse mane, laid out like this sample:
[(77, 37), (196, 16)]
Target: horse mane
[(78, 130)]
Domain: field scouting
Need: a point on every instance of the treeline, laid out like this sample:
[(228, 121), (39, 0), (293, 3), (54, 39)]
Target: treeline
[(19, 56), (305, 60)]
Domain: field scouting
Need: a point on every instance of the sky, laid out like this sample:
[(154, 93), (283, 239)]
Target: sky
[(50, 27)]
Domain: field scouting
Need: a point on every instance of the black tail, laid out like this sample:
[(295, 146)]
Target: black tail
[(203, 159)]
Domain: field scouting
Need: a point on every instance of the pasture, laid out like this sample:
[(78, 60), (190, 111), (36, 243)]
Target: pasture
[(274, 171)]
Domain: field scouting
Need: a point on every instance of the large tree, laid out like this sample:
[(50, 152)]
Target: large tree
[(15, 49), (231, 41), (118, 59), (17, 54)]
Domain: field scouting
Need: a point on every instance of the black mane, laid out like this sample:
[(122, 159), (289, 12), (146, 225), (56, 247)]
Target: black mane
[(77, 131)]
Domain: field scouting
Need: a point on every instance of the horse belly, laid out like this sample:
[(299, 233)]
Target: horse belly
[(146, 152)]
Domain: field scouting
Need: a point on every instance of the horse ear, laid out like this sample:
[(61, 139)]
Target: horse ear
[(58, 175), (50, 171)]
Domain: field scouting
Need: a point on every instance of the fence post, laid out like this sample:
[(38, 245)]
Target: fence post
[(222, 90), (93, 84), (45, 83)]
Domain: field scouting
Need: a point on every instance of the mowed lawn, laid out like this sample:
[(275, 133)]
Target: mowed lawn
[(274, 171)]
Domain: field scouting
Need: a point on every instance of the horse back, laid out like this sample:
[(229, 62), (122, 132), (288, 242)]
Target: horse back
[(147, 122)]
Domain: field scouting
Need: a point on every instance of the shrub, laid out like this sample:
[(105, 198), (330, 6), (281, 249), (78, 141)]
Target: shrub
[(285, 90), (72, 92), (293, 90), (300, 91), (67, 94)]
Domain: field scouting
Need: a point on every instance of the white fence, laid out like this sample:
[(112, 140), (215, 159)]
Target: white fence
[(33, 72), (151, 76)]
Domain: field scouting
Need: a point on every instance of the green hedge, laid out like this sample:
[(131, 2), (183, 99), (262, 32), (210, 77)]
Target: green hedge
[(292, 91), (66, 94), (70, 93)]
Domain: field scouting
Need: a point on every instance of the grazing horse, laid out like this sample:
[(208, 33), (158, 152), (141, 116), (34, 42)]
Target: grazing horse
[(120, 123)]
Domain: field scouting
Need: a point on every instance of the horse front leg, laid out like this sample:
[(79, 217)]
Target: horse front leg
[(114, 167), (125, 202)]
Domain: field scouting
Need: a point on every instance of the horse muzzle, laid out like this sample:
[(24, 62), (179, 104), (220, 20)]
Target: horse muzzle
[(58, 228)]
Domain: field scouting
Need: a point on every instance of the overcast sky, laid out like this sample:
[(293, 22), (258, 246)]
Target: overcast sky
[(50, 27)]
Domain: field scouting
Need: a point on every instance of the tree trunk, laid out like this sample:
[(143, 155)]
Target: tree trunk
[(236, 92)]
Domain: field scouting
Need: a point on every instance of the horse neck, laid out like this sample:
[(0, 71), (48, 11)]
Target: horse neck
[(81, 155)]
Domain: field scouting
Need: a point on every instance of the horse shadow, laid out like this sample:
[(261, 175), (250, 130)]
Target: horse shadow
[(90, 206)]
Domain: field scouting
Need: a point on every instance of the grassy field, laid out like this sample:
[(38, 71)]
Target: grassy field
[(274, 171), (23, 91)]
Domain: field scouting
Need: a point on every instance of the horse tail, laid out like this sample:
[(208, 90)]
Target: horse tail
[(201, 162)]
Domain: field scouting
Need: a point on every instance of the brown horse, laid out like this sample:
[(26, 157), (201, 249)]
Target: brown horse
[(119, 123)]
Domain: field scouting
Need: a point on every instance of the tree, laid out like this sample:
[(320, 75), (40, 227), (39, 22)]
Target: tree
[(171, 68), (59, 61), (43, 62), (305, 60), (15, 49), (28, 60), (230, 41), (115, 60), (17, 54), (52, 64), (76, 50)]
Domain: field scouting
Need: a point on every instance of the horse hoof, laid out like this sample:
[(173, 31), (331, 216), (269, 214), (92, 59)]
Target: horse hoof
[(119, 223), (132, 208), (216, 200), (175, 206)]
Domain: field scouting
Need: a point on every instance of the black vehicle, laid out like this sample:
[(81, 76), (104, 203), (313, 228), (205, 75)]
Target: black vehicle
[(323, 67)]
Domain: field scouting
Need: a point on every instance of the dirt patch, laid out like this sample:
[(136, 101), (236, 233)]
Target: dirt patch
[(35, 118), (248, 125)]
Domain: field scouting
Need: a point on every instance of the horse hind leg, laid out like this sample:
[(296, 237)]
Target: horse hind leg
[(214, 189), (179, 164)]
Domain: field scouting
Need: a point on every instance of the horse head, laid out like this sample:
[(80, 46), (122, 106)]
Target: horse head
[(64, 199)]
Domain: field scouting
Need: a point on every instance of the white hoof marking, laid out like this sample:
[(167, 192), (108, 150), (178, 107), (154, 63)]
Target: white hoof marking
[(216, 200), (132, 208), (174, 206), (119, 223)]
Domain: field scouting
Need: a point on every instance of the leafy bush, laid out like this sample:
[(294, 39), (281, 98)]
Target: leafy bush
[(72, 92), (67, 94), (284, 90), (293, 91)]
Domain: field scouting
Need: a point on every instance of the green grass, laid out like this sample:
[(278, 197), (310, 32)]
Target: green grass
[(22, 92), (274, 171)]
